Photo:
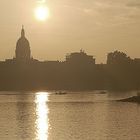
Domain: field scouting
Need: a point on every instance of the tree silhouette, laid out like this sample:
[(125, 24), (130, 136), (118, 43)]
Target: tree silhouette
[(118, 57)]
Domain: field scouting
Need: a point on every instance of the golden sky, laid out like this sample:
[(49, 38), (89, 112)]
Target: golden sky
[(96, 26)]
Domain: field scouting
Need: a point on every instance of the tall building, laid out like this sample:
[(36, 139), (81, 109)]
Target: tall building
[(22, 52)]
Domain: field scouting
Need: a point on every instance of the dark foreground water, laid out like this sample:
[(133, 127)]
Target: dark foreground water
[(74, 116)]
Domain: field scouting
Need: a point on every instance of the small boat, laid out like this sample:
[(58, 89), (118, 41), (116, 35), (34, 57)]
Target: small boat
[(60, 93), (102, 92)]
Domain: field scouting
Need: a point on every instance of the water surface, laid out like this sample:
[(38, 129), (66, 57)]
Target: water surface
[(73, 116)]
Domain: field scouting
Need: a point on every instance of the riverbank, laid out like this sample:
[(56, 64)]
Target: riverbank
[(135, 99)]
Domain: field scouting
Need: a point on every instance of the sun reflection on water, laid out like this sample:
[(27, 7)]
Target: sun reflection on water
[(42, 122)]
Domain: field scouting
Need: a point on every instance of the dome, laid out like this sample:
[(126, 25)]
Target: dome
[(22, 42), (23, 52)]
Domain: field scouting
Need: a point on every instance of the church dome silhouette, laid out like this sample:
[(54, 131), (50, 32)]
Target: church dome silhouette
[(23, 52)]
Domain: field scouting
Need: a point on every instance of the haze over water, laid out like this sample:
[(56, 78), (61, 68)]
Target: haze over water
[(88, 116)]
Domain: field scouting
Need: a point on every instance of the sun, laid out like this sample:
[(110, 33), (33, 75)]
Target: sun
[(42, 13)]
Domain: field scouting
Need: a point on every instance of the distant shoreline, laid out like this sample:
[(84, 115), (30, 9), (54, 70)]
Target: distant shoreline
[(134, 99), (102, 91)]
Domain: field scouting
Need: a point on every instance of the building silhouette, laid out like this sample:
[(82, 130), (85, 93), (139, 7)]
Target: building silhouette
[(80, 57), (22, 52), (78, 72)]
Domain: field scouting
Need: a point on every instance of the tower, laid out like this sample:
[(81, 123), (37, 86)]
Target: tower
[(23, 52)]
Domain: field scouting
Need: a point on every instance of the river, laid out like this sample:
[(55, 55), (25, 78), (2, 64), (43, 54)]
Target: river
[(72, 116)]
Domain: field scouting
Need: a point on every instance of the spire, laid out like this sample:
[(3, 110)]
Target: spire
[(22, 32)]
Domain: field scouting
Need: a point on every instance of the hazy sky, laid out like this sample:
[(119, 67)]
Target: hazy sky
[(96, 26)]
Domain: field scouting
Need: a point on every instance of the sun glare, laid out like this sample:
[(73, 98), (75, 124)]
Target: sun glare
[(42, 13), (42, 122)]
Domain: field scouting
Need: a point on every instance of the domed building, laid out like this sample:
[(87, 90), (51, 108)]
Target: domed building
[(22, 52)]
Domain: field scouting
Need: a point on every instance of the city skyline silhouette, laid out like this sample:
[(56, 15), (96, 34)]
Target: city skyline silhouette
[(79, 71), (23, 53)]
